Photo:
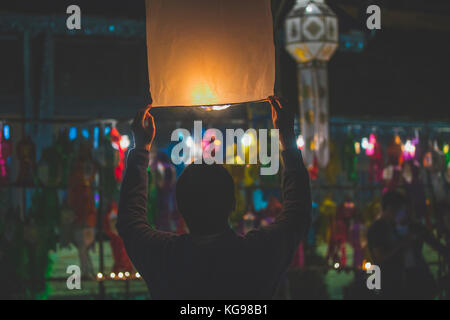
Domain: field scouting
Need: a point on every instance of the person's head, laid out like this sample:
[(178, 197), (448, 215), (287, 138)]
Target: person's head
[(393, 205), (205, 197)]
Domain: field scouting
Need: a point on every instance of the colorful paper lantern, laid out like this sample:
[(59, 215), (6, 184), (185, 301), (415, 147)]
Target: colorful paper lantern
[(311, 31), (206, 53)]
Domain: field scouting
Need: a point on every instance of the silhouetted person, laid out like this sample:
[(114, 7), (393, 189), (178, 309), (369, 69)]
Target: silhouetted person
[(212, 262), (395, 242)]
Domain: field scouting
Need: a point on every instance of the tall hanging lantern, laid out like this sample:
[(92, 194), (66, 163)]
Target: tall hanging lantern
[(312, 38), (210, 53)]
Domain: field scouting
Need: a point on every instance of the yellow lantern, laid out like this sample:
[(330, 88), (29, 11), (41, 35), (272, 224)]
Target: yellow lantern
[(209, 53)]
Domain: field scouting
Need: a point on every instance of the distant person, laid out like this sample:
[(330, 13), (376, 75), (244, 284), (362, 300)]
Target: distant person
[(212, 261), (395, 242)]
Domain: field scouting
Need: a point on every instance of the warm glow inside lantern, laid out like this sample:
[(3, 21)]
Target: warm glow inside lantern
[(209, 52)]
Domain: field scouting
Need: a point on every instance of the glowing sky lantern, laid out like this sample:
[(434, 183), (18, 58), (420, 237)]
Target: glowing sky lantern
[(210, 53)]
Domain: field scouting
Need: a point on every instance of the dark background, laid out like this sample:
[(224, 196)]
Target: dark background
[(402, 72)]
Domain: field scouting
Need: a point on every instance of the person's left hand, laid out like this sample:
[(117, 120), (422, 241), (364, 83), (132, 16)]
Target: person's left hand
[(143, 127)]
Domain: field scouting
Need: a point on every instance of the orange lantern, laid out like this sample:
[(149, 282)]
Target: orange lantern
[(209, 52)]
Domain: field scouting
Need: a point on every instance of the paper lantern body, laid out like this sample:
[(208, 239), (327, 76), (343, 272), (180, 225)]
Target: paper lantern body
[(204, 52), (311, 31)]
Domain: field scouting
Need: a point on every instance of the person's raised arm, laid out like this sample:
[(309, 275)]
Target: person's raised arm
[(291, 226), (296, 192), (139, 237)]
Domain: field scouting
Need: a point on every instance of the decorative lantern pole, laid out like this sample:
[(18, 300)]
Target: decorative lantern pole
[(311, 39)]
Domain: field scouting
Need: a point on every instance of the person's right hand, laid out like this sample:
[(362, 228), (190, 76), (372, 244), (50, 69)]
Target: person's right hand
[(283, 119), (143, 127)]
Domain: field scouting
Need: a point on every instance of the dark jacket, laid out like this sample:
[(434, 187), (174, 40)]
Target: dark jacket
[(222, 266)]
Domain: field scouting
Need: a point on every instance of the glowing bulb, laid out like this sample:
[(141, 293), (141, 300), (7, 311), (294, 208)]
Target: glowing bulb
[(300, 142), (85, 133), (189, 142), (246, 140), (6, 131), (216, 108), (127, 274), (138, 275), (369, 144), (409, 149), (99, 275), (124, 142), (336, 265), (120, 275), (357, 147), (368, 265), (365, 143), (112, 275), (72, 133)]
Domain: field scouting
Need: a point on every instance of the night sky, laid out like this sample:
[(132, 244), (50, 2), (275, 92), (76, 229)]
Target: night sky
[(402, 73)]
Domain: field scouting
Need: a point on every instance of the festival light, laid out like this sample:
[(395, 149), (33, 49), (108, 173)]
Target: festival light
[(96, 137), (120, 275), (246, 140), (365, 143), (107, 130), (409, 150), (127, 274), (337, 265), (138, 275), (428, 160), (311, 31), (72, 133), (445, 149), (85, 133), (112, 275), (369, 144), (300, 142), (6, 131), (124, 142), (190, 142), (312, 35), (99, 275), (216, 108), (357, 147)]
